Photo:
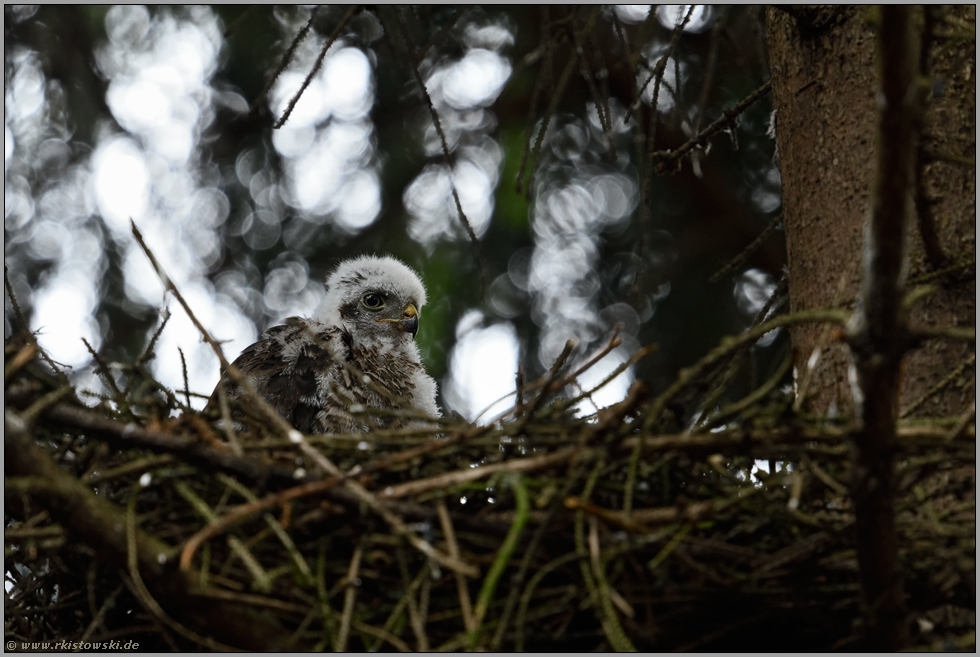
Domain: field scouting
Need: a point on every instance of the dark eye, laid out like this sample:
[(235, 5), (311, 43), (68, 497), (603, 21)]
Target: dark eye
[(373, 301)]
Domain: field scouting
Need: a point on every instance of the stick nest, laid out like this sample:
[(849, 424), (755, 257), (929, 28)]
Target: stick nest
[(137, 520)]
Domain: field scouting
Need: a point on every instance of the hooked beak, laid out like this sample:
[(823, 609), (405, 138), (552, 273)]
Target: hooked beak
[(409, 321)]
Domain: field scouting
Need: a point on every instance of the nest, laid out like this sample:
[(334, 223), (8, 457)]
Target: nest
[(140, 520)]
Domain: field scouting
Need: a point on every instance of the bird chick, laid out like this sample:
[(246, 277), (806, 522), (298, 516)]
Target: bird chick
[(356, 353)]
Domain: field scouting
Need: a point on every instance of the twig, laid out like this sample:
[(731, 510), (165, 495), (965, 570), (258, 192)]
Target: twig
[(127, 435), (963, 422), (752, 398), (31, 413), (910, 437), (229, 426), (23, 357), (147, 353), (24, 326), (349, 596), (543, 572), (316, 66), (183, 368), (813, 361), (297, 559), (548, 386), (18, 313), (667, 549), (689, 374), (462, 590), (323, 598), (260, 577), (661, 65), (721, 382), (474, 241), (398, 526), (100, 524), (422, 640), (382, 634), (237, 515), (601, 103), (933, 275), (645, 152), (458, 477), (286, 430), (961, 333), (103, 369), (820, 474), (143, 594), (529, 554), (747, 251), (91, 516), (710, 65), (244, 16), (701, 139), (528, 129), (607, 617), (946, 381), (504, 553), (546, 120), (139, 465), (286, 58), (923, 204)]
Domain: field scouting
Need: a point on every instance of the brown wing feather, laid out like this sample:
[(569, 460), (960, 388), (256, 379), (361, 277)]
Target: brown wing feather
[(282, 366)]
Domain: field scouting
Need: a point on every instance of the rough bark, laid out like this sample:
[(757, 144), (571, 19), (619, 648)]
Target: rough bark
[(866, 181), (824, 87)]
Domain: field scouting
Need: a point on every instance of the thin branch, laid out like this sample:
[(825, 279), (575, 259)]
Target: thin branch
[(941, 385), (238, 22), (183, 369), (18, 313), (546, 120), (747, 251), (147, 353), (658, 70), (709, 69), (601, 103), (23, 357), (877, 335), (474, 241), (286, 430), (128, 435), (645, 150), (504, 553), (700, 140), (349, 594), (316, 66), (24, 326), (462, 590), (284, 62), (466, 475)]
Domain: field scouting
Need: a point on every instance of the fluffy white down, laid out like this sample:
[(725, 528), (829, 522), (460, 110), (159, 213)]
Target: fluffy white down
[(314, 371), (379, 273), (351, 279)]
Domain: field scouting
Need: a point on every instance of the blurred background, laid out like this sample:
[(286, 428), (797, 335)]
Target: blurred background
[(165, 115)]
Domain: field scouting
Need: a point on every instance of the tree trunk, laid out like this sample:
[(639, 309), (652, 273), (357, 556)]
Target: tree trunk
[(824, 86), (857, 156)]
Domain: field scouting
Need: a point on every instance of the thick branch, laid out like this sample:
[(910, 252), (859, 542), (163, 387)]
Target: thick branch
[(123, 435), (100, 525)]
